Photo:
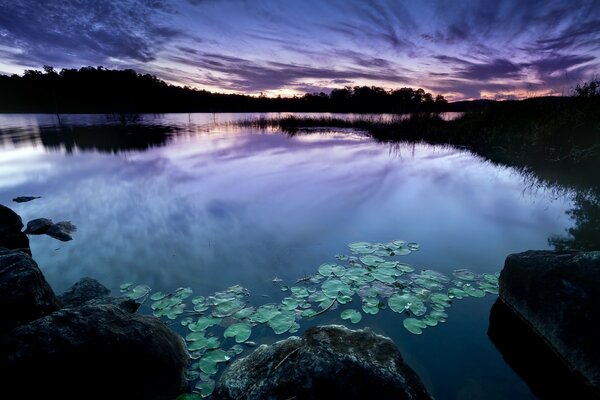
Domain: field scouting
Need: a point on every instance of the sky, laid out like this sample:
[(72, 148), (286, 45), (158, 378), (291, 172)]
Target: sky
[(493, 49)]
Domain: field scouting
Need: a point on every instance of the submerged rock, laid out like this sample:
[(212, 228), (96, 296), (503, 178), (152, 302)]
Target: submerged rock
[(38, 226), (61, 230), (327, 362), (24, 293), (24, 199), (11, 236), (93, 351), (557, 294)]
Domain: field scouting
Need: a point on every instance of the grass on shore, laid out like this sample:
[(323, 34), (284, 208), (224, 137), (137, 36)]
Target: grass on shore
[(552, 138)]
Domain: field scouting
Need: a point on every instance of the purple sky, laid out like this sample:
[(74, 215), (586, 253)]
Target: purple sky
[(462, 49)]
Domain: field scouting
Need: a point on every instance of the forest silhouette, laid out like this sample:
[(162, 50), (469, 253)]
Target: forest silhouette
[(102, 90)]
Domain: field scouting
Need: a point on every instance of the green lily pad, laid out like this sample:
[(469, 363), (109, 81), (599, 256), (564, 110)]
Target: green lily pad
[(464, 274), (125, 286), (343, 299), (326, 269), (300, 292), (203, 322), (407, 301), (204, 343), (282, 321), (264, 313), (332, 288), (206, 388), (208, 363), (157, 296), (289, 303), (370, 305), (457, 293), (240, 331), (244, 313), (138, 292), (414, 326), (361, 247), (235, 350), (353, 315), (371, 260), (472, 291), (404, 267)]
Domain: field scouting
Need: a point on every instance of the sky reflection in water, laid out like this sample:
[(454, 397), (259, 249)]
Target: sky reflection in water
[(216, 206)]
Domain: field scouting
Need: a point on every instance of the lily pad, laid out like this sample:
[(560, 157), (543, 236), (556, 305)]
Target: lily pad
[(407, 301), (472, 291), (464, 274), (299, 292), (289, 303), (206, 388), (208, 362), (138, 292), (361, 247), (202, 323), (282, 321), (353, 315), (370, 305), (264, 313), (241, 332), (371, 260), (332, 288), (157, 296), (414, 326), (204, 343)]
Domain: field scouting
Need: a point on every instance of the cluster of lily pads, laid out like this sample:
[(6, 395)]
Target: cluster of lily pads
[(370, 276)]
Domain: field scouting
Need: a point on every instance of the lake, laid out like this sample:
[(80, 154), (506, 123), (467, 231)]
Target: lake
[(194, 200)]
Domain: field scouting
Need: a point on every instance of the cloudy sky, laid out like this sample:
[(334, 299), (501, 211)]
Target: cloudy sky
[(461, 49)]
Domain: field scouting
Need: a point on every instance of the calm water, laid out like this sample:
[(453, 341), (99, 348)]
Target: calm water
[(190, 201)]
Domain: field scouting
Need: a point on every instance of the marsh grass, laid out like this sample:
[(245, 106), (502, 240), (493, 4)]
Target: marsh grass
[(551, 138)]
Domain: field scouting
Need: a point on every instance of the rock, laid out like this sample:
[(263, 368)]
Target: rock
[(38, 226), (546, 374), (94, 351), (24, 199), (81, 292), (327, 362), (24, 293), (557, 295), (62, 231), (11, 236), (91, 292)]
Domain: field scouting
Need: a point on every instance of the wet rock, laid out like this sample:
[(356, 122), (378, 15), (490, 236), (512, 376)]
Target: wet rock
[(557, 295), (38, 226), (89, 291), (546, 374), (83, 291), (93, 351), (24, 199), (11, 236), (62, 231), (24, 293), (327, 362)]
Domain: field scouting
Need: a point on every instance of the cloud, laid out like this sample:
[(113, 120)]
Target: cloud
[(80, 32)]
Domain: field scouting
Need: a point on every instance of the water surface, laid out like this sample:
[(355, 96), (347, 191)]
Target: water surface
[(187, 200)]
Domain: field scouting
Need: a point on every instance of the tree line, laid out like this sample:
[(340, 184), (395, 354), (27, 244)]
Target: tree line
[(102, 90)]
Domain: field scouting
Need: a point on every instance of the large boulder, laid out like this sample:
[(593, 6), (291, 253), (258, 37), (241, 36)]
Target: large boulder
[(11, 236), (558, 296), (95, 351), (24, 293), (327, 362)]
